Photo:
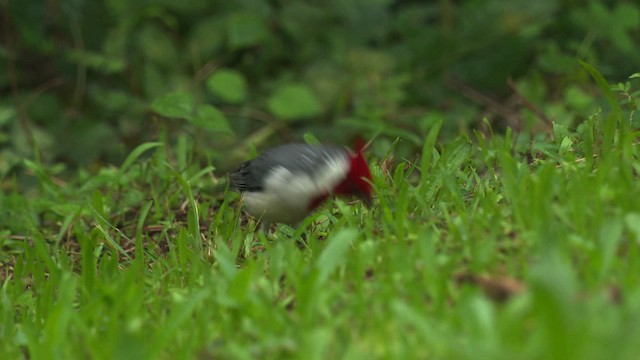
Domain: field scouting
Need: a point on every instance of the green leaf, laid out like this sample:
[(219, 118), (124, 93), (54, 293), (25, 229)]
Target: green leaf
[(632, 221), (610, 239), (334, 254), (309, 138), (428, 148), (157, 45), (245, 29), (605, 88), (109, 240), (7, 113), (97, 61), (207, 37), (229, 85), (405, 313), (136, 153), (211, 119), (455, 154), (181, 313), (144, 212), (62, 312), (175, 105), (294, 102)]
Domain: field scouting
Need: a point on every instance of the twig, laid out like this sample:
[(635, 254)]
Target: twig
[(508, 114), (548, 123), (53, 83), (207, 69)]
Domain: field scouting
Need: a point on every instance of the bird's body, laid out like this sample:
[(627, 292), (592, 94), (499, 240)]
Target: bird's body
[(286, 183)]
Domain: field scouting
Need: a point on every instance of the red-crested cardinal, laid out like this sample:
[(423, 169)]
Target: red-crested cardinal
[(286, 183)]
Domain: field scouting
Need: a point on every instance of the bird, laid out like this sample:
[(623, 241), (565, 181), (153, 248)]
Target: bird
[(286, 183)]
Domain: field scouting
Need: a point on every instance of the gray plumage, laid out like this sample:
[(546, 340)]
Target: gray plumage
[(297, 158)]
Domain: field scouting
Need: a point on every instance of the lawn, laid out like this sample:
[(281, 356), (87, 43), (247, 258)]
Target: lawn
[(487, 246)]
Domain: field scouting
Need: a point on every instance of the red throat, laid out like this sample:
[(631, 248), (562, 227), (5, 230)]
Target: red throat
[(357, 182), (358, 178)]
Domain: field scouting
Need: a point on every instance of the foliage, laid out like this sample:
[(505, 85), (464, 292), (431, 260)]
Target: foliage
[(505, 166), (84, 78), (496, 248)]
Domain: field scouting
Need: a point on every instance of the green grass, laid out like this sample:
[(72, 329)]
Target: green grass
[(490, 247)]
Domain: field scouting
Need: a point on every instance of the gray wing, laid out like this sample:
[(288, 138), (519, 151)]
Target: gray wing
[(243, 179), (297, 158)]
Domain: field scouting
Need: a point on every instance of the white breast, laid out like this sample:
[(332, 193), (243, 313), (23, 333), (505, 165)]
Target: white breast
[(286, 196)]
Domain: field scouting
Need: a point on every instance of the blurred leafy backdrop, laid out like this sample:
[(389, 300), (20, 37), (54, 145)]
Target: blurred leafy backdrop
[(82, 82)]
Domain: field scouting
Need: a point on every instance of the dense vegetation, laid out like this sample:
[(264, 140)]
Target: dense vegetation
[(503, 145)]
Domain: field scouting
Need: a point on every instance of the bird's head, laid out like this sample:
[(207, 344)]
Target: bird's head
[(358, 179)]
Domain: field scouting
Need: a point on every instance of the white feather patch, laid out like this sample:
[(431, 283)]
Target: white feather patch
[(286, 196)]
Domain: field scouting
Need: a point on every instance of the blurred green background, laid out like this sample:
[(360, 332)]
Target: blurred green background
[(82, 82)]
